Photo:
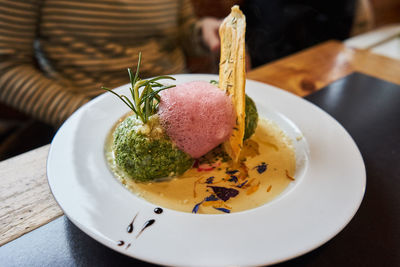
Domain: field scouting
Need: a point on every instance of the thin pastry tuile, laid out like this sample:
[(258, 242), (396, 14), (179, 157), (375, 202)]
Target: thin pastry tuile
[(232, 75)]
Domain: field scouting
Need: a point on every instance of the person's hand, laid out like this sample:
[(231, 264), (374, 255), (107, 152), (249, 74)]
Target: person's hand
[(209, 28)]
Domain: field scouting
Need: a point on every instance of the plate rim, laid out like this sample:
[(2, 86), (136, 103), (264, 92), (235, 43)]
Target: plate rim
[(106, 242)]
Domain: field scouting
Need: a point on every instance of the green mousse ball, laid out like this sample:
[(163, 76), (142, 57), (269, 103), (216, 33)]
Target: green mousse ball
[(145, 152), (251, 119)]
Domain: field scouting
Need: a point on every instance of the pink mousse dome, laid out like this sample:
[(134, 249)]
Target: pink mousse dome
[(197, 116)]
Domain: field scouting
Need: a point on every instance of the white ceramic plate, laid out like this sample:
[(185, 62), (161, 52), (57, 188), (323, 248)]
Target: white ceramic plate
[(329, 187)]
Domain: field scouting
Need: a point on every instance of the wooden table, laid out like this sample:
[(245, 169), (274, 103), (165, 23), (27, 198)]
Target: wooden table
[(26, 202)]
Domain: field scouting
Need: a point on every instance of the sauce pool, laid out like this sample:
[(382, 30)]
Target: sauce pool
[(270, 166)]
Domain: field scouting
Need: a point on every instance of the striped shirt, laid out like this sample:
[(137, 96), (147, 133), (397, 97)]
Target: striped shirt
[(56, 54)]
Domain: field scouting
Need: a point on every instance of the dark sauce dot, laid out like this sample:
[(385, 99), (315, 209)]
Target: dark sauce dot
[(147, 224), (121, 243), (129, 229), (158, 210)]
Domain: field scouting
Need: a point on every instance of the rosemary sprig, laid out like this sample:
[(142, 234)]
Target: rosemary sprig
[(214, 82), (143, 104)]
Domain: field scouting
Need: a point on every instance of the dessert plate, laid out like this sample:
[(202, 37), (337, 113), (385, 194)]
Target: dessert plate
[(329, 187)]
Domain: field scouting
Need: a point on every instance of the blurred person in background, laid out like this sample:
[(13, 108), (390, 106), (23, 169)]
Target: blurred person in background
[(55, 55), (277, 28)]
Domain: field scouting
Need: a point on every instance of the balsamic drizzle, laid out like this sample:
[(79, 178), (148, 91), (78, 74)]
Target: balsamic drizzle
[(130, 227), (146, 224), (158, 210)]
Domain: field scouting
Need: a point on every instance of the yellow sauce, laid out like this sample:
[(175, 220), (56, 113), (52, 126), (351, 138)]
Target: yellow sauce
[(268, 145)]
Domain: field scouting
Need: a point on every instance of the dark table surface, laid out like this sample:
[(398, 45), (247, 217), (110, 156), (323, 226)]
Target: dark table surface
[(368, 108)]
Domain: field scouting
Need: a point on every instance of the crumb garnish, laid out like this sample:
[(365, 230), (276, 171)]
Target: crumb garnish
[(194, 186), (288, 176), (253, 189)]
